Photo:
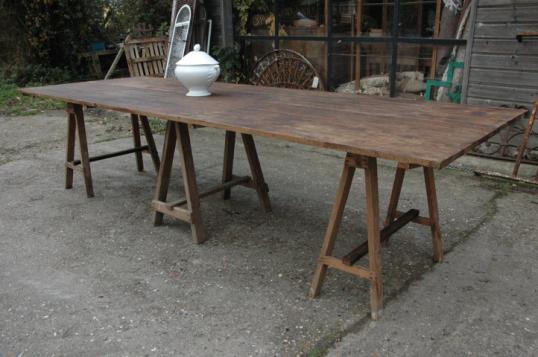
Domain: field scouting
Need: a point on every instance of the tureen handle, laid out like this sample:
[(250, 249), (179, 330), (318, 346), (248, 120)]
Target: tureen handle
[(214, 74)]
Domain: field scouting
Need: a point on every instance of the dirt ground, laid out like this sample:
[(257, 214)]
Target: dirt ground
[(94, 277)]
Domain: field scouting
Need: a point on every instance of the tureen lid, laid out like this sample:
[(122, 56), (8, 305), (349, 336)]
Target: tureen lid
[(196, 58)]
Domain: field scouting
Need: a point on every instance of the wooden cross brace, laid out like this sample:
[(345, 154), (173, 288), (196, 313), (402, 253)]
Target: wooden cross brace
[(179, 133), (395, 221)]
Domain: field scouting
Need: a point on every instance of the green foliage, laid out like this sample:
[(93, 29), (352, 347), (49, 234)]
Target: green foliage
[(231, 64), (14, 103), (244, 8), (56, 33), (23, 75), (122, 15), (52, 33)]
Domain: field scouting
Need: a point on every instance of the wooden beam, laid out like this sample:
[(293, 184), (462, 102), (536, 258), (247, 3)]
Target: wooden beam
[(374, 238), (357, 253), (213, 190), (338, 264), (425, 221), (332, 229)]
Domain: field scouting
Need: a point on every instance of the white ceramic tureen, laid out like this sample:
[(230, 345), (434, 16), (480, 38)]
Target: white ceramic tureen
[(197, 71)]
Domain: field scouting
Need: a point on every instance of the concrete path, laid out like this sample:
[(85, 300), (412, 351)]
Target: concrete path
[(93, 277)]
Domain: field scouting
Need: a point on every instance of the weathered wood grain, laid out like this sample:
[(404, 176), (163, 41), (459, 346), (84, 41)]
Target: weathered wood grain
[(513, 61), (485, 3), (505, 77), (502, 30), (520, 13), (426, 134), (503, 92), (506, 46)]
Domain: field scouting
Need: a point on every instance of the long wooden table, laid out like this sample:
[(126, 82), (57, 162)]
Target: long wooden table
[(367, 128)]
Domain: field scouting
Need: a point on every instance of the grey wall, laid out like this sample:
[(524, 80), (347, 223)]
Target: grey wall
[(503, 70)]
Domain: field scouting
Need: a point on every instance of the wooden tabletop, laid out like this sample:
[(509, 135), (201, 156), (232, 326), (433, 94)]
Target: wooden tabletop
[(427, 134)]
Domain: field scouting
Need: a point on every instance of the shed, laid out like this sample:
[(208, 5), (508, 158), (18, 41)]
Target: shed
[(502, 65)]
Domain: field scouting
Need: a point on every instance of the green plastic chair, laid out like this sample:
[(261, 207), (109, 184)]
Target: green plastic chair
[(454, 96)]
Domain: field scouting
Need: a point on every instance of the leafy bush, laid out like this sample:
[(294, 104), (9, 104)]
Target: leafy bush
[(231, 64), (23, 75), (50, 33)]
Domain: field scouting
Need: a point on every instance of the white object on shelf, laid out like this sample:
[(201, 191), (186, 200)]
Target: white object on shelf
[(197, 71)]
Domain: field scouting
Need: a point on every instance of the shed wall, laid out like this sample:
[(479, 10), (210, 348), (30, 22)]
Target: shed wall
[(504, 71)]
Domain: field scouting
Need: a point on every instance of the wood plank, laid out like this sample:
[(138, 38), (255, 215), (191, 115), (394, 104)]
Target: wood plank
[(395, 195), (407, 131), (182, 214), (374, 239), (211, 191), (511, 3), (506, 77), (189, 181), (512, 14), (137, 143), (332, 229), (227, 167), (492, 102), (386, 233), (83, 146), (256, 171), (163, 178), (70, 149), (425, 221), (431, 194), (506, 47), (500, 31), (338, 264), (504, 93), (151, 142), (501, 62)]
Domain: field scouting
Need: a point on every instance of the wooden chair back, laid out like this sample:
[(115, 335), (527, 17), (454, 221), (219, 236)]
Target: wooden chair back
[(146, 57)]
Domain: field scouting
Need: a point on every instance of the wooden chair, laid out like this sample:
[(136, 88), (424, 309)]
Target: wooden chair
[(146, 57)]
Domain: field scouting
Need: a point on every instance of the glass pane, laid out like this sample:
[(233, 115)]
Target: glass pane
[(361, 68), (417, 18), (303, 18), (252, 51), (256, 19), (313, 51), (344, 18), (416, 66), (374, 17)]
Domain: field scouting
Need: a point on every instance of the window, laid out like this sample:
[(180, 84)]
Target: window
[(351, 43)]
